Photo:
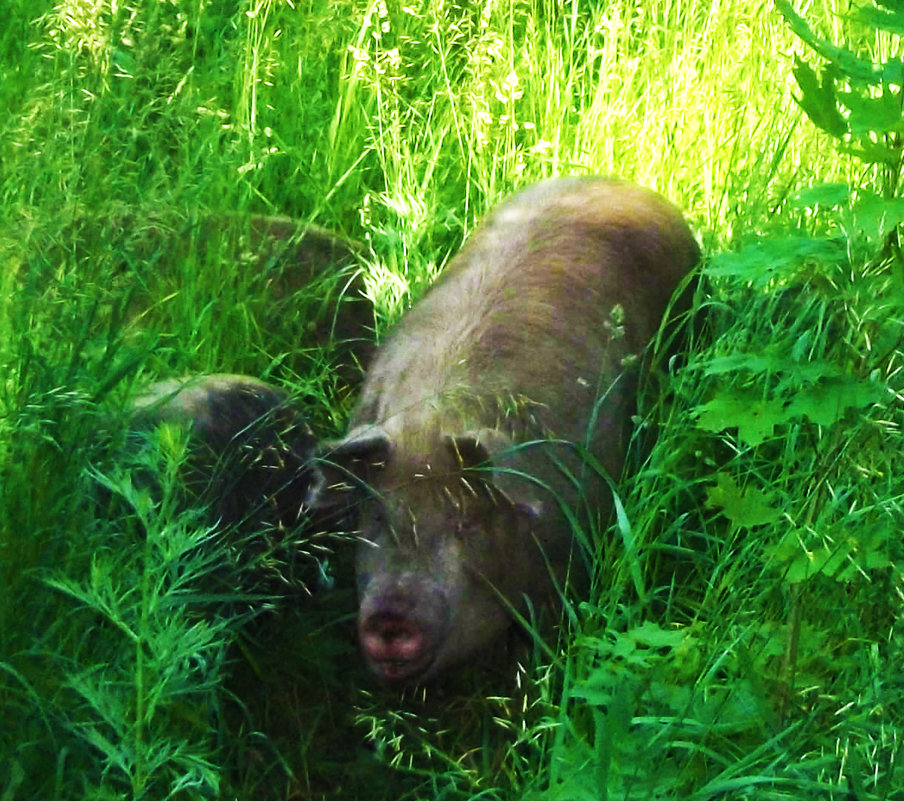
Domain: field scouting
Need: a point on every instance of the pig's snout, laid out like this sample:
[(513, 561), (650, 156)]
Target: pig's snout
[(400, 634), (393, 645)]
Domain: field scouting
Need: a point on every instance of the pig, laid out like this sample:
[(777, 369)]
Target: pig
[(250, 461), (250, 450), (300, 274), (295, 261), (502, 398)]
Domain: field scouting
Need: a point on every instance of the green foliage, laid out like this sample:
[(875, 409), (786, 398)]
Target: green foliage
[(775, 533), (137, 663), (771, 386), (743, 636), (854, 99), (635, 706)]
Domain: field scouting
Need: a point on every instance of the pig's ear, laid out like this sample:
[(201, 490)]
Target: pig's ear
[(484, 448), (345, 464), (363, 442)]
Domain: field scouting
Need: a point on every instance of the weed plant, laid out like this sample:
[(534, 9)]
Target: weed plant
[(743, 637)]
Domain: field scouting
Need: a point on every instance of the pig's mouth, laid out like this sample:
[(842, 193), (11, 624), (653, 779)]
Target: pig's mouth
[(396, 671), (396, 647)]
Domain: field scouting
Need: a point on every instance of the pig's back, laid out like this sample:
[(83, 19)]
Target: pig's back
[(520, 324)]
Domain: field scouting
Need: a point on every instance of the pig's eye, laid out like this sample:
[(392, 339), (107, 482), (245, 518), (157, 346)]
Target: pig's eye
[(466, 527)]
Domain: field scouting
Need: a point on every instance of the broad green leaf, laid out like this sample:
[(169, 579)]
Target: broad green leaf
[(768, 259), (650, 635), (849, 64), (872, 114), (874, 217), (731, 707), (828, 561), (891, 21), (796, 371), (755, 363), (872, 153), (821, 195), (893, 70), (746, 508), (842, 559), (817, 99), (870, 560), (799, 563), (754, 417), (826, 402)]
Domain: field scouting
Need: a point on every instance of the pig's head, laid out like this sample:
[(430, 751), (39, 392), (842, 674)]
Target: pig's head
[(251, 450), (445, 555)]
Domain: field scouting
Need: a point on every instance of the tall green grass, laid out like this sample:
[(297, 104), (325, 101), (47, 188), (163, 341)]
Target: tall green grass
[(746, 645)]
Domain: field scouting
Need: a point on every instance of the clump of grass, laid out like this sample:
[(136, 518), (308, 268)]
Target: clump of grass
[(126, 670), (147, 662)]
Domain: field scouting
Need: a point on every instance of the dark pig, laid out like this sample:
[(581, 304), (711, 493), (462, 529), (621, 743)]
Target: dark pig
[(250, 449), (250, 462), (468, 432)]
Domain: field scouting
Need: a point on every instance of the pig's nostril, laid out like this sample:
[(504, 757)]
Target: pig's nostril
[(391, 638)]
